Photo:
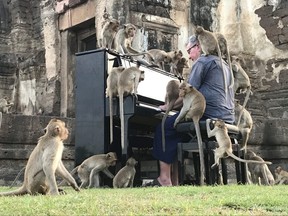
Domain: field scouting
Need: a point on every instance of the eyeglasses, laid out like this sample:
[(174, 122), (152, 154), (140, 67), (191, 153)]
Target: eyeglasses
[(189, 49)]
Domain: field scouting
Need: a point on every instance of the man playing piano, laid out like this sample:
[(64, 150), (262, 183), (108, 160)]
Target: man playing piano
[(207, 77)]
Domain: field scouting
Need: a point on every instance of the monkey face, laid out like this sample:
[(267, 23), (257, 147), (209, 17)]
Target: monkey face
[(111, 158), (177, 55), (199, 30), (57, 128), (184, 62), (182, 92), (114, 24), (278, 169), (184, 88), (219, 123), (131, 162), (130, 30)]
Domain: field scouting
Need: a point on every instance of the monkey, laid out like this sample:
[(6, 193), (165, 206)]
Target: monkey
[(225, 53), (194, 105), (125, 177), (244, 127), (259, 171), (210, 46), (108, 32), (124, 38), (220, 132), (186, 73), (5, 105), (160, 57), (174, 57), (128, 83), (89, 169), (181, 64), (123, 43), (45, 162), (172, 94), (112, 91), (241, 83), (281, 175), (245, 123)]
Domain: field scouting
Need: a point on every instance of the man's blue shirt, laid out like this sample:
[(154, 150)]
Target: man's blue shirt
[(207, 77)]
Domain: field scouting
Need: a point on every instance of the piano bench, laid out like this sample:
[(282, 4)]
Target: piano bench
[(189, 147)]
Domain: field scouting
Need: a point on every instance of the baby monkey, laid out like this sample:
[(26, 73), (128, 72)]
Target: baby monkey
[(281, 175), (125, 177)]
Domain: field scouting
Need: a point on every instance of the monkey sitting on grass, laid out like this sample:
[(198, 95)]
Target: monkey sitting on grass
[(45, 163), (125, 177)]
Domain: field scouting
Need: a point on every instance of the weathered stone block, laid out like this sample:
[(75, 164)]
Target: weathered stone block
[(285, 30), (285, 20), (283, 38), (264, 11), (276, 132), (282, 12), (73, 3), (282, 46), (27, 129), (268, 22), (272, 31)]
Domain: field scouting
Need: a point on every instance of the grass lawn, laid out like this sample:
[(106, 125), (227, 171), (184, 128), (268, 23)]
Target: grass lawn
[(182, 200)]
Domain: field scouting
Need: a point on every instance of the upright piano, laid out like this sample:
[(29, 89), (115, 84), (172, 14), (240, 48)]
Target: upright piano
[(141, 114)]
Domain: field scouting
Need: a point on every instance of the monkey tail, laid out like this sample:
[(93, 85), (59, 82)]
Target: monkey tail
[(163, 130), (170, 106), (111, 116), (18, 175), (121, 118), (265, 175), (230, 67), (246, 161), (74, 170), (221, 63), (20, 191)]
